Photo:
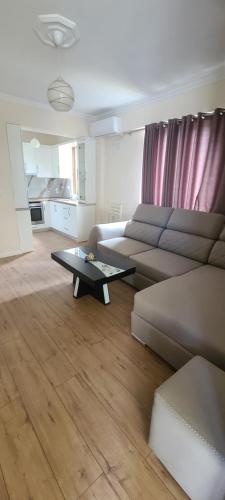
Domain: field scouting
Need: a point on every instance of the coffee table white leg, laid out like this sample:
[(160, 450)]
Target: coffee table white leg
[(81, 288), (106, 294), (76, 287)]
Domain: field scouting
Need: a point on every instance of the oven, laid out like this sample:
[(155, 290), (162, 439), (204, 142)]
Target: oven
[(36, 212)]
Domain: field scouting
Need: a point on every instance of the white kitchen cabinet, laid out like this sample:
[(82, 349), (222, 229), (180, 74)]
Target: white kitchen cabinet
[(42, 161), (30, 165), (43, 156), (56, 215), (55, 161), (64, 218), (75, 221), (47, 215), (85, 221), (86, 167), (69, 220)]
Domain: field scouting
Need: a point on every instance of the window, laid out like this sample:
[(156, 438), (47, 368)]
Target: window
[(68, 164)]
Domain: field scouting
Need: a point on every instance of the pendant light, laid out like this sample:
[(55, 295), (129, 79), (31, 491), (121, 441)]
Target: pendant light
[(35, 143), (60, 95), (60, 33)]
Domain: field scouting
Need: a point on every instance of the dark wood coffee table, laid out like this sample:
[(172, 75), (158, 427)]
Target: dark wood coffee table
[(88, 279)]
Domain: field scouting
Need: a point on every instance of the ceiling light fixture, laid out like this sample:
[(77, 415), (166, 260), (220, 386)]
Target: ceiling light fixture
[(35, 143), (60, 95), (60, 33)]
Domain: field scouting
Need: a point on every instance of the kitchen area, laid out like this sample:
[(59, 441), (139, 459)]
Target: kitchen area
[(54, 182)]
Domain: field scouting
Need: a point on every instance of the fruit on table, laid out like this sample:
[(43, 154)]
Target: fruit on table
[(89, 257)]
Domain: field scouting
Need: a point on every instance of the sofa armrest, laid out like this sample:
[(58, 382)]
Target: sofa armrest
[(102, 232)]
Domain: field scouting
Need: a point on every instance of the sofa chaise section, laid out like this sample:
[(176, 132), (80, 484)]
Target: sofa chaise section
[(184, 316)]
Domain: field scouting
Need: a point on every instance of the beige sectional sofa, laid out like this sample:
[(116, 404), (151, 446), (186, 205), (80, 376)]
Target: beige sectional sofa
[(181, 253)]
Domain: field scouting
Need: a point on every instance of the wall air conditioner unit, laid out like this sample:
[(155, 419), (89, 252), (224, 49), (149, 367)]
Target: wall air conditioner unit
[(108, 126)]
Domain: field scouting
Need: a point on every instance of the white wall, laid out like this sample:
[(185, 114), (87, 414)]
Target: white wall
[(32, 118), (47, 139), (120, 174), (119, 159)]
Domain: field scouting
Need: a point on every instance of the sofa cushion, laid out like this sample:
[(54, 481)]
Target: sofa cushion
[(188, 245), (217, 256), (160, 265), (143, 232), (190, 310), (151, 214), (123, 246), (222, 234), (193, 222)]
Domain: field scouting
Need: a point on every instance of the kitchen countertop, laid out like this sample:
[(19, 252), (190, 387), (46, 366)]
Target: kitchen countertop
[(66, 201)]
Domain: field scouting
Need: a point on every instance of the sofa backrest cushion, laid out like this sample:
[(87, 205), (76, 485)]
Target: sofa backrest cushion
[(151, 214), (148, 223), (222, 234), (191, 233), (189, 245), (143, 232), (217, 255), (199, 223)]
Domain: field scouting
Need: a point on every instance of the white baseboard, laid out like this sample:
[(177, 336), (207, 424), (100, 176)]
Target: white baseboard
[(13, 253)]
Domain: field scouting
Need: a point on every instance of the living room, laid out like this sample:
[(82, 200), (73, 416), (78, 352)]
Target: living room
[(112, 250)]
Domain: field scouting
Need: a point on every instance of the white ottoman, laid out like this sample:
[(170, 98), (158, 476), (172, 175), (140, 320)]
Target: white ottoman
[(187, 431)]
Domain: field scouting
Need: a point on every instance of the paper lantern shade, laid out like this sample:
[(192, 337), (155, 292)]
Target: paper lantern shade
[(35, 143), (60, 95)]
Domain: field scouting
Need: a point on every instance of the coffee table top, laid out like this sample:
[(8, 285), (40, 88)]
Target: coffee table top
[(73, 260)]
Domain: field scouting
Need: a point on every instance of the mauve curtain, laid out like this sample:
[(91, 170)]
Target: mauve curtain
[(190, 160), (211, 196), (186, 164), (154, 163), (170, 162)]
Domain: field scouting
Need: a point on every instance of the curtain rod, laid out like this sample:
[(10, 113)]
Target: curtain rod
[(134, 130), (204, 113)]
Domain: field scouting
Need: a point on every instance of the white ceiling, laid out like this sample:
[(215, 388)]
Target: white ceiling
[(129, 50)]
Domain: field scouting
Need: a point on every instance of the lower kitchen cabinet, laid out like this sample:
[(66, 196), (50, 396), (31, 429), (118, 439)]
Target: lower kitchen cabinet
[(69, 220), (75, 221), (56, 215)]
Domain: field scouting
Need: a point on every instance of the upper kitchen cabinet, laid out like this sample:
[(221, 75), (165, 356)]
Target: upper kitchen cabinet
[(43, 156), (75, 160), (86, 170), (30, 164), (42, 161), (55, 160)]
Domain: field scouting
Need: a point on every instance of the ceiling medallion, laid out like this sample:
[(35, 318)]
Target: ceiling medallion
[(60, 33)]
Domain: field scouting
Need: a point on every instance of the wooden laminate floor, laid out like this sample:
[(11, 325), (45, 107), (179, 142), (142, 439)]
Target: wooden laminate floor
[(75, 389)]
